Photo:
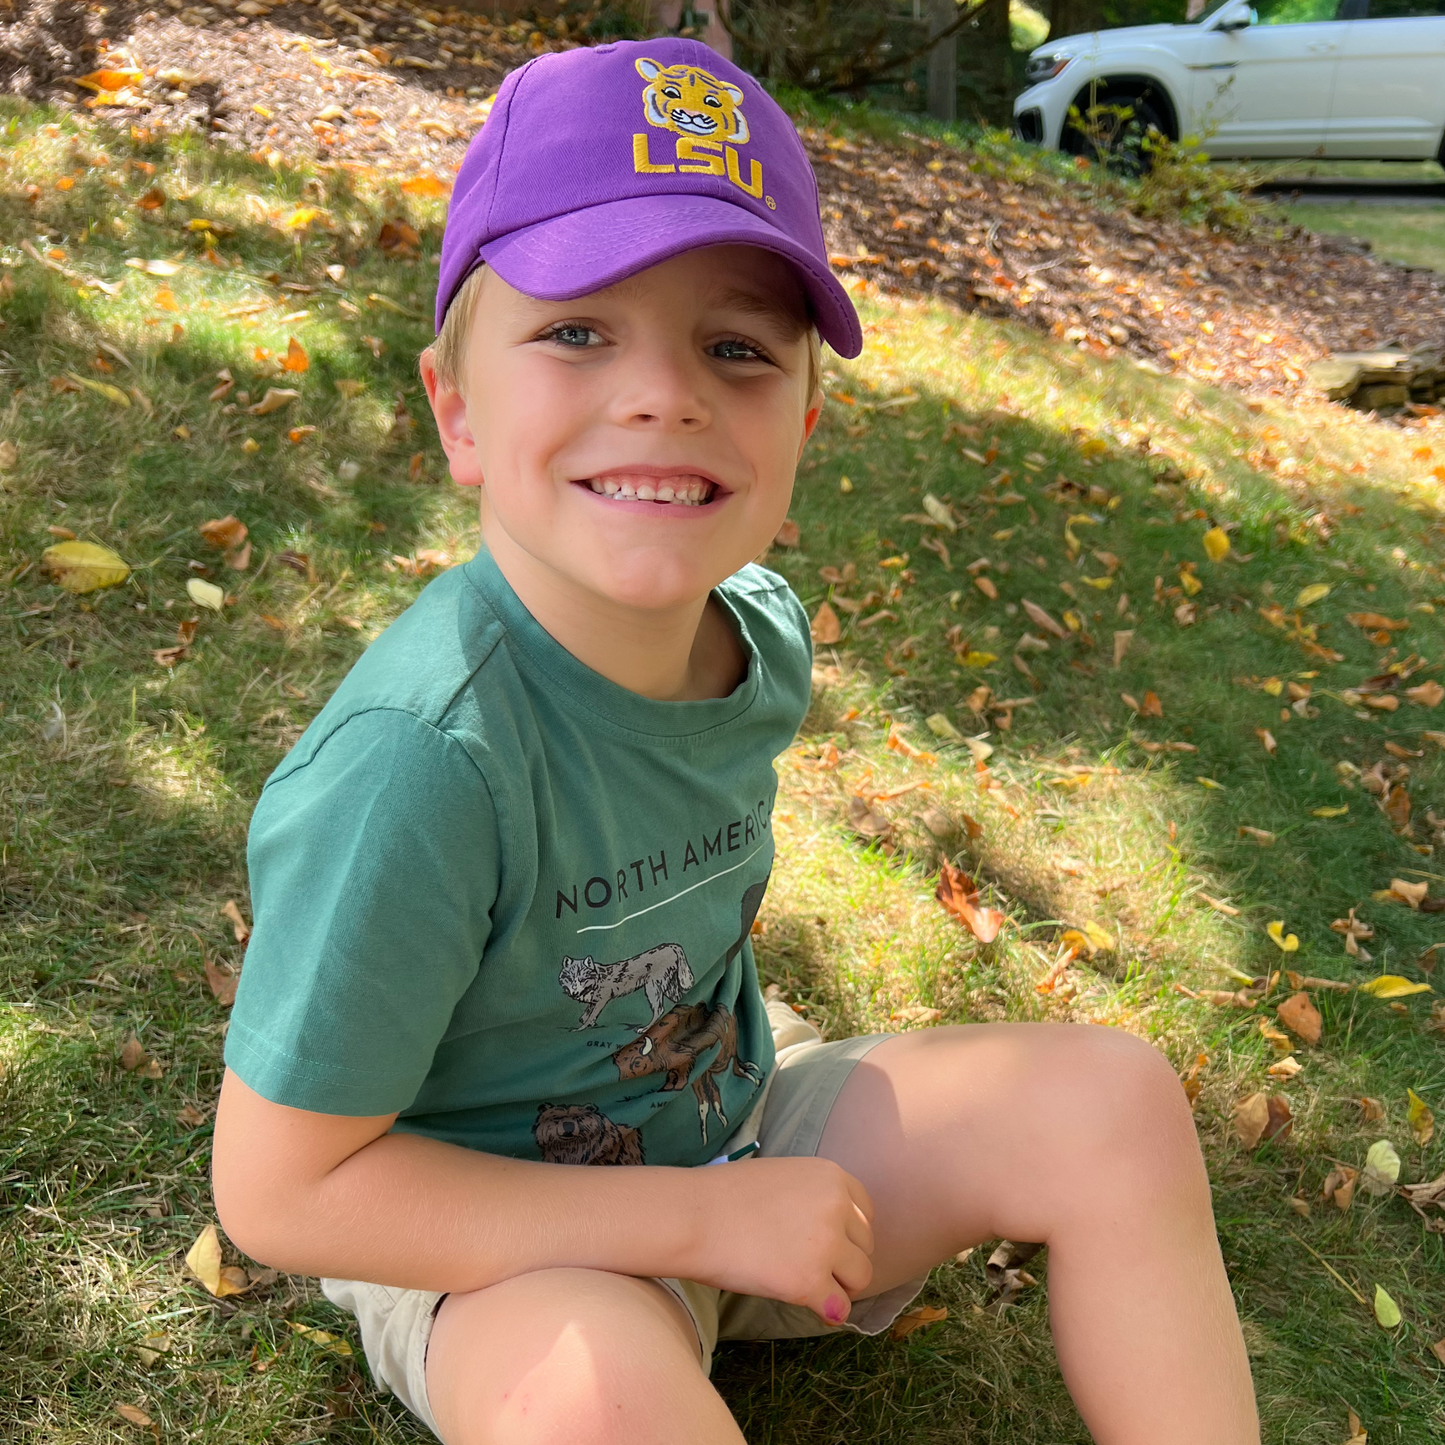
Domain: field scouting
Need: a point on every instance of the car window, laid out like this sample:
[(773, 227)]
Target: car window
[(1298, 12), (1404, 9)]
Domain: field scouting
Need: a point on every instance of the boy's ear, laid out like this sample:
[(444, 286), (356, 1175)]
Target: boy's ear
[(449, 407), (810, 418)]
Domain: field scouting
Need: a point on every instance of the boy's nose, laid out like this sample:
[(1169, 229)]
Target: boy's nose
[(660, 395)]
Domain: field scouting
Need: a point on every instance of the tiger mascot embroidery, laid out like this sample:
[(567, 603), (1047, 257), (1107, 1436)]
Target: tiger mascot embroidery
[(687, 100)]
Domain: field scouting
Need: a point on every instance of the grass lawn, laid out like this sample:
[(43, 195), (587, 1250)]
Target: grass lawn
[(1167, 835), (1413, 235)]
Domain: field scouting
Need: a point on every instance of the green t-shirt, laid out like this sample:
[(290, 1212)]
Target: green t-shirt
[(510, 900)]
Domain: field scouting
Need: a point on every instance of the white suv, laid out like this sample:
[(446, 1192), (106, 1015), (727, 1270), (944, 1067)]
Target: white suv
[(1359, 79)]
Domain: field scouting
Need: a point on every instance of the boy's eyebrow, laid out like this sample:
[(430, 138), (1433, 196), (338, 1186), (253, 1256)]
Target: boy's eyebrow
[(767, 308)]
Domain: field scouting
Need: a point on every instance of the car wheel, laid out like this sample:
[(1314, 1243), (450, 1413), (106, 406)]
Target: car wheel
[(1111, 131)]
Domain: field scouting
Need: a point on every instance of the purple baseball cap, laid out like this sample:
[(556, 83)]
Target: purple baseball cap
[(599, 162)]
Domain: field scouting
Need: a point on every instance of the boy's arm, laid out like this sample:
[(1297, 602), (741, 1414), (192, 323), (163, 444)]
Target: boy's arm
[(332, 1195)]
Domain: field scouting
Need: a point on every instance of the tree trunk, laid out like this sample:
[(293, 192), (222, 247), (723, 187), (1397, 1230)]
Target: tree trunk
[(943, 63), (1075, 17)]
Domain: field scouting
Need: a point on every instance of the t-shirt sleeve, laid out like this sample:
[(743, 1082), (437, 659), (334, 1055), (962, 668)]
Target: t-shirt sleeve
[(374, 866)]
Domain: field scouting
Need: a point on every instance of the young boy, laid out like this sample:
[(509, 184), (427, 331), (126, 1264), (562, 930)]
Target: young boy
[(505, 883)]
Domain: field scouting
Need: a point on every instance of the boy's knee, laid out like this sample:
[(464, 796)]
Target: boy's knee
[(568, 1354), (1129, 1091)]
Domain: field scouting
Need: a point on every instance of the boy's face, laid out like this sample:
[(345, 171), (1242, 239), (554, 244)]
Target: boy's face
[(579, 419)]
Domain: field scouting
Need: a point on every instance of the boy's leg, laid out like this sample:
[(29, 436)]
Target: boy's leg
[(571, 1354), (1078, 1137)]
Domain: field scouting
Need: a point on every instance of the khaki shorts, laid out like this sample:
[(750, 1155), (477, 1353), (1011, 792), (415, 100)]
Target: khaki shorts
[(787, 1120)]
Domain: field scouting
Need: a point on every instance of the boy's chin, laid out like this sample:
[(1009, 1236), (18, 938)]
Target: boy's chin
[(653, 584)]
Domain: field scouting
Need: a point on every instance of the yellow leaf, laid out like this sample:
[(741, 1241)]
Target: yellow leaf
[(206, 594), (203, 1259), (1190, 583), (99, 80), (1386, 1310), (1391, 985), (1287, 942), (1420, 1118), (1330, 812), (977, 659), (1210, 783), (324, 1338), (301, 216), (1101, 583), (1216, 544), (1315, 592), (83, 566), (939, 725), (1101, 938), (1093, 447), (1273, 686), (101, 388)]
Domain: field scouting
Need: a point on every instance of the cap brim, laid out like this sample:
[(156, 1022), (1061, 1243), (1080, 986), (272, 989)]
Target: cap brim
[(584, 251)]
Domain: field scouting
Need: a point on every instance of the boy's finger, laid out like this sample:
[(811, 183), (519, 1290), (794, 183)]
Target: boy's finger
[(860, 1231), (861, 1197), (855, 1273)]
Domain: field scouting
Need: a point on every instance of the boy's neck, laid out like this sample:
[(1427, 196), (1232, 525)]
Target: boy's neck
[(677, 655)]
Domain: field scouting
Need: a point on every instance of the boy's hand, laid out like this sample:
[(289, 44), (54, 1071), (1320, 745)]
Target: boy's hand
[(796, 1230)]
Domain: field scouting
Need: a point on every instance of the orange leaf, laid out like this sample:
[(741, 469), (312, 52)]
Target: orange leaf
[(826, 627), (296, 358), (959, 895), (426, 185), (1299, 1015), (225, 534), (917, 1319)]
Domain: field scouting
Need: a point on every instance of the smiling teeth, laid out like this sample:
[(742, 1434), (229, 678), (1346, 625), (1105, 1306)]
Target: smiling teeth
[(692, 492)]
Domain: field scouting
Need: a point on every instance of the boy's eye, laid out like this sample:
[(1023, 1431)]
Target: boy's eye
[(733, 348), (572, 335)]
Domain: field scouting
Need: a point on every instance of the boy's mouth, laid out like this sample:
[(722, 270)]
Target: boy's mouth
[(685, 489)]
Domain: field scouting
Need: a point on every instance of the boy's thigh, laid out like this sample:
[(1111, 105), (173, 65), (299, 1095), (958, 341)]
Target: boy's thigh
[(968, 1133), (568, 1353)]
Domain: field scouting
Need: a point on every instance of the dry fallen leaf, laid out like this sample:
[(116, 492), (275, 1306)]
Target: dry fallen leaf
[(985, 586), (958, 894), (1040, 618), (83, 566), (275, 398), (1266, 738), (867, 823), (1006, 1274), (134, 1414), (916, 1319), (324, 1338), (1428, 694), (296, 358), (1382, 1168), (1285, 1068), (1396, 806), (826, 627), (135, 1060), (426, 184), (223, 533), (1299, 1015), (1357, 1431), (222, 982), (789, 534), (1251, 1118), (1339, 1186), (239, 926), (1420, 1119), (206, 594), (203, 1259)]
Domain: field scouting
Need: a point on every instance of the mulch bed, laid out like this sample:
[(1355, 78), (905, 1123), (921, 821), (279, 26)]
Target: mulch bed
[(401, 86)]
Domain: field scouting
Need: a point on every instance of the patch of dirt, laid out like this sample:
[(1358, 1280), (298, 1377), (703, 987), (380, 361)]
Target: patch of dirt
[(1244, 314), (401, 86)]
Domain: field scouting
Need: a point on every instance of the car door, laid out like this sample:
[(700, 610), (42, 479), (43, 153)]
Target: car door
[(1266, 90), (1389, 99)]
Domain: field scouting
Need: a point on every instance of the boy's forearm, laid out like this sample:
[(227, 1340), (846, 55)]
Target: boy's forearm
[(421, 1214)]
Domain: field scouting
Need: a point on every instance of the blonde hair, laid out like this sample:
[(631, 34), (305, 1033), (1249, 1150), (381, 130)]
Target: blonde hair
[(449, 350)]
